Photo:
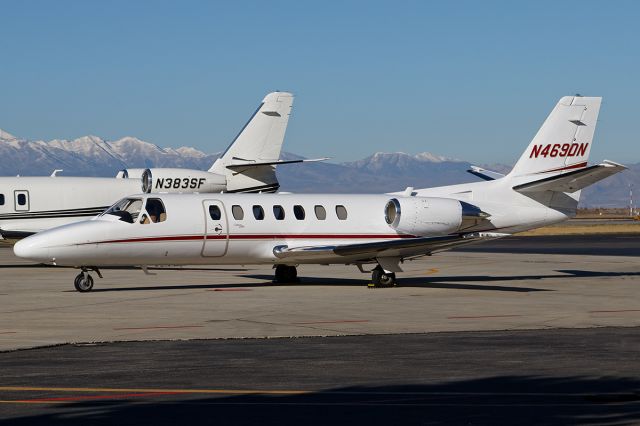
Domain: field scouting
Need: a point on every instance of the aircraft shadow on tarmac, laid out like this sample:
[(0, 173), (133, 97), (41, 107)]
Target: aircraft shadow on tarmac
[(446, 282), (493, 400)]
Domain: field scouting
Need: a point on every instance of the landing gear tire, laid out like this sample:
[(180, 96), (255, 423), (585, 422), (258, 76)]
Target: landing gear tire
[(286, 274), (382, 279), (83, 282)]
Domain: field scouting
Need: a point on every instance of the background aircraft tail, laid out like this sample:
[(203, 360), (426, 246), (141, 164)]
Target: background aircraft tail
[(249, 162)]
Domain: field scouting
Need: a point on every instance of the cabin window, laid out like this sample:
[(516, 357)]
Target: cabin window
[(1, 199), (278, 212), (298, 212), (237, 212), (341, 212), (22, 199), (215, 213), (258, 212), (321, 213), (127, 209), (155, 212)]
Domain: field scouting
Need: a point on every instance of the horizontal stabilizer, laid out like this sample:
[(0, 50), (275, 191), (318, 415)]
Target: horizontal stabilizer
[(484, 173), (405, 247), (572, 181), (247, 165)]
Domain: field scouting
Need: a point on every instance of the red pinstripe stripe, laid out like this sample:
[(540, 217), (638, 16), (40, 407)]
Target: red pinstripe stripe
[(254, 237)]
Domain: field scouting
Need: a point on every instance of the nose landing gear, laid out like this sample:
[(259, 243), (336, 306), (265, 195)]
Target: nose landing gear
[(83, 281)]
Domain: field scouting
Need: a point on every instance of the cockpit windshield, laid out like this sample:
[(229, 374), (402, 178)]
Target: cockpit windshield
[(127, 209)]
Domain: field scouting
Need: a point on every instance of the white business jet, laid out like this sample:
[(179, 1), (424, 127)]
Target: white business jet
[(385, 230), (32, 204)]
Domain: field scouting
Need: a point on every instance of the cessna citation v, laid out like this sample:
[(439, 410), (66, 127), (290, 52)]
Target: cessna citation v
[(383, 231), (32, 204)]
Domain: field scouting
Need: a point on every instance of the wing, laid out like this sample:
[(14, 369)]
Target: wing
[(404, 248), (573, 181)]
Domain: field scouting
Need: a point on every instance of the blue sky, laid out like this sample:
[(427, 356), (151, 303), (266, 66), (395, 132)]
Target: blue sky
[(471, 80)]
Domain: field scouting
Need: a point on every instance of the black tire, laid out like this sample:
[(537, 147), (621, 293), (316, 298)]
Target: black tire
[(83, 283), (286, 274), (381, 278), (292, 274)]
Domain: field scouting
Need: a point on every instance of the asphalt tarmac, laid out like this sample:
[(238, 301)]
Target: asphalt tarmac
[(592, 245), (524, 331), (567, 377)]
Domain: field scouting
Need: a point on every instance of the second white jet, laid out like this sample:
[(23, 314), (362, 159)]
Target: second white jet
[(32, 204)]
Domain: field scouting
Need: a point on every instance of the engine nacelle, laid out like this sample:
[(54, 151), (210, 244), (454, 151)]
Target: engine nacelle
[(177, 180), (424, 216)]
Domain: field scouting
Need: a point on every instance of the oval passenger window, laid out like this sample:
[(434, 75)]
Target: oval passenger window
[(215, 213), (341, 212), (298, 212), (258, 212), (321, 213), (278, 212), (237, 212)]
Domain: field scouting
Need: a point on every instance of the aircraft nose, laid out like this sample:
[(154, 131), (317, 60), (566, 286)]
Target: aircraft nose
[(32, 248)]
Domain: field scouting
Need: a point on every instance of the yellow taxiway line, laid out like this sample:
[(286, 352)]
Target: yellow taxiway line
[(147, 390)]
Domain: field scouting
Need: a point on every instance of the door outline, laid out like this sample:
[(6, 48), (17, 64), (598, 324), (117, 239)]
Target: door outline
[(17, 207), (211, 228)]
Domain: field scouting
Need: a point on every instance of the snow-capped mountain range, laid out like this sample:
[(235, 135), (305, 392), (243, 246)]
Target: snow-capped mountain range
[(91, 156), (380, 172)]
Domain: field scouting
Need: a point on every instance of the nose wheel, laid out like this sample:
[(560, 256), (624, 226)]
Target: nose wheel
[(286, 274), (381, 279), (83, 282)]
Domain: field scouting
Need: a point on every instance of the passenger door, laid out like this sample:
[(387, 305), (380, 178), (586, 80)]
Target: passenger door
[(216, 232), (21, 201)]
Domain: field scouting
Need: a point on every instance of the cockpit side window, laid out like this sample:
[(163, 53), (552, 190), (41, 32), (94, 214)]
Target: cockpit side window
[(1, 199), (155, 212), (127, 209)]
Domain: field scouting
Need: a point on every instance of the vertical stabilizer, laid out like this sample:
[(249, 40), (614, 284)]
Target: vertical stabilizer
[(260, 140), (563, 142)]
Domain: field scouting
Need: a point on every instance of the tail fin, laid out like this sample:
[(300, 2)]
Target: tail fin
[(563, 142), (259, 141)]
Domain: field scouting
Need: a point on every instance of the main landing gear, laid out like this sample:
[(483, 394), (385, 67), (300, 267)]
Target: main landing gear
[(286, 274), (381, 279), (83, 281)]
